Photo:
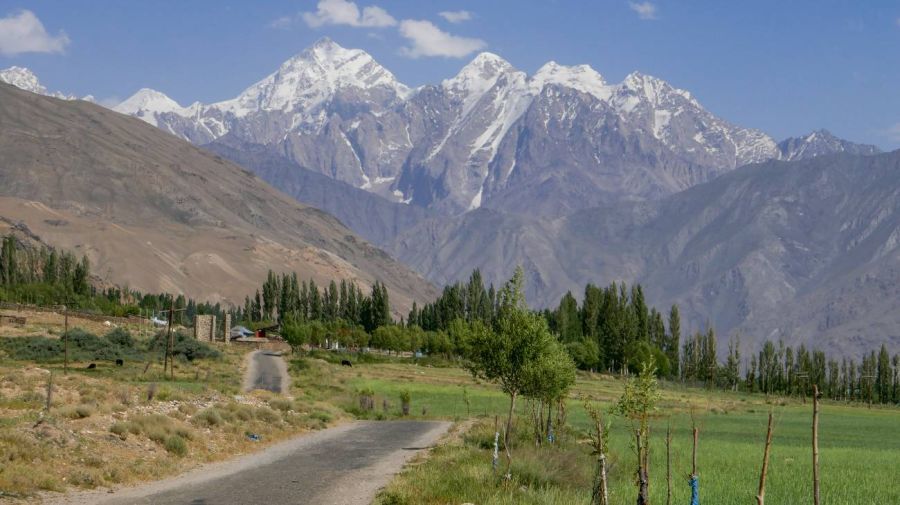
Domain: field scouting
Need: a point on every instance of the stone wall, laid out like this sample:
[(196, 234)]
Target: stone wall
[(205, 327), (226, 328)]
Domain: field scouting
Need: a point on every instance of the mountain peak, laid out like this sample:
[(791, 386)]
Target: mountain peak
[(654, 89), (324, 42), (479, 74), (819, 142), (580, 77), (146, 103), (22, 78), (25, 79)]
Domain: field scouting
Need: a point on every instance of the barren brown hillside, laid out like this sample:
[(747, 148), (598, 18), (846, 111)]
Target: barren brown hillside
[(158, 214)]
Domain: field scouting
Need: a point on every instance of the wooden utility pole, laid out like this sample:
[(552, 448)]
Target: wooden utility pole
[(815, 444), (66, 339), (170, 345), (761, 495)]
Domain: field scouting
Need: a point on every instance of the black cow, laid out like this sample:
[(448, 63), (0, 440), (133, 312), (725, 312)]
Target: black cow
[(120, 362), (92, 366), (346, 362)]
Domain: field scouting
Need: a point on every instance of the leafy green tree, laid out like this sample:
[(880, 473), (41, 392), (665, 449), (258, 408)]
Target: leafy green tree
[(883, 379), (674, 339), (568, 321), (509, 353), (638, 403)]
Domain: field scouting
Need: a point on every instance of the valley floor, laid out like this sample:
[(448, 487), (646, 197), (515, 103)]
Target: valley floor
[(102, 431)]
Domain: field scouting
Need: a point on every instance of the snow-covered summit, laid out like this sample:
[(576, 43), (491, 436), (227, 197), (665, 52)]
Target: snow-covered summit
[(24, 78), (579, 77), (148, 99), (312, 78)]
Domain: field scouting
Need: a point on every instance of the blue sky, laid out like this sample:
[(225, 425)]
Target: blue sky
[(784, 67)]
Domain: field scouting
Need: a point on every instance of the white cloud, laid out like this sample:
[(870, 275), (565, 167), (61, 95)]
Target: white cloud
[(344, 12), (428, 40), (456, 16), (22, 32), (645, 10)]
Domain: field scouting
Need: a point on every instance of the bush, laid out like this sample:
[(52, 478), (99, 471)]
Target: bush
[(158, 434), (267, 415), (321, 415), (186, 346), (121, 429), (281, 404), (120, 337), (209, 417), (78, 412), (176, 445), (83, 346)]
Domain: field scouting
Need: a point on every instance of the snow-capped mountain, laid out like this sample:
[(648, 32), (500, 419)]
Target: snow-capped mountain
[(559, 140), (300, 96), (24, 78), (818, 143)]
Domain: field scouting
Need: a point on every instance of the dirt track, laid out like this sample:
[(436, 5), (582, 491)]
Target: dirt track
[(346, 465)]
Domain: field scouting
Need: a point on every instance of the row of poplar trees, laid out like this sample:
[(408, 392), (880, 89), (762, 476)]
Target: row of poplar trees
[(61, 273), (284, 298), (613, 329)]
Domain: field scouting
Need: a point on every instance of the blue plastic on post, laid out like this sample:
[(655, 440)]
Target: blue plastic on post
[(695, 490)]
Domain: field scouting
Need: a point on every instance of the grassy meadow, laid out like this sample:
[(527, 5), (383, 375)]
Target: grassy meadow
[(859, 446)]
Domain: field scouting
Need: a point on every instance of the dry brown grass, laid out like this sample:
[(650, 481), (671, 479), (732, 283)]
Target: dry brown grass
[(101, 431)]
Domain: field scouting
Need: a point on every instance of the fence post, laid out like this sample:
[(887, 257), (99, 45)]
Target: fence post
[(815, 444), (761, 495)]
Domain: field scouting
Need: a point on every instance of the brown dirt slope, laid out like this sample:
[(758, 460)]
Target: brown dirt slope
[(157, 214)]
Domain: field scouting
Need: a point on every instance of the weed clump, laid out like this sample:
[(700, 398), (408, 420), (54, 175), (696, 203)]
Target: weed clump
[(209, 417), (176, 445)]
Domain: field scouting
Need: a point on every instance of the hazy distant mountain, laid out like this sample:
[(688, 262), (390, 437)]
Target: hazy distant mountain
[(818, 143), (374, 218), (158, 214), (804, 250)]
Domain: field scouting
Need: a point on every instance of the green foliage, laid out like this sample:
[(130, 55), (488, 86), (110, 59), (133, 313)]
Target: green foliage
[(641, 396), (186, 346), (176, 445), (209, 417), (83, 346)]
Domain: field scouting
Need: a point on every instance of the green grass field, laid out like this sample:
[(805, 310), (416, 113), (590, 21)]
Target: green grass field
[(859, 447)]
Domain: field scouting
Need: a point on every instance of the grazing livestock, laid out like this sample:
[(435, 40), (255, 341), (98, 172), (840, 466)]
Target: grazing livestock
[(120, 362), (346, 362), (92, 366)]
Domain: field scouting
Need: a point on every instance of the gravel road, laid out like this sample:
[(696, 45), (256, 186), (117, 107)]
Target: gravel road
[(346, 465)]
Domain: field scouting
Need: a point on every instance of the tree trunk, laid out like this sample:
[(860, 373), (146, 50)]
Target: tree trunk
[(549, 421), (694, 453), (669, 465), (506, 436), (815, 444), (643, 484), (761, 495)]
